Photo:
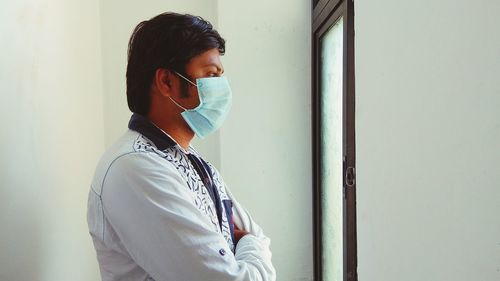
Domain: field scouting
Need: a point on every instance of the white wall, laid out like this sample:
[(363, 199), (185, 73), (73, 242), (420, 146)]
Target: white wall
[(266, 141), (269, 123), (263, 73), (51, 137), (64, 101), (428, 131), (428, 140)]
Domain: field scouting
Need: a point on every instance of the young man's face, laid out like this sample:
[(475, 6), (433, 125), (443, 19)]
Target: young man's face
[(207, 64)]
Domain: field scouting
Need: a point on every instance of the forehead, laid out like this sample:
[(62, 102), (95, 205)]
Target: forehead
[(210, 58)]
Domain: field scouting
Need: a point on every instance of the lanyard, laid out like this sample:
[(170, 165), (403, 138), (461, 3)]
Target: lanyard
[(203, 171)]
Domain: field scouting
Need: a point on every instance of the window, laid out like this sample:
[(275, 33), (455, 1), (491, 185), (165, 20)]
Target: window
[(334, 185)]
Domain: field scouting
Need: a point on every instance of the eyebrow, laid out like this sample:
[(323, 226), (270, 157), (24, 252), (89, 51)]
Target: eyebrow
[(216, 66)]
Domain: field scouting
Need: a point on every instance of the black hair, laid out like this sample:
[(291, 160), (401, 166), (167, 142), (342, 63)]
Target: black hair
[(169, 41)]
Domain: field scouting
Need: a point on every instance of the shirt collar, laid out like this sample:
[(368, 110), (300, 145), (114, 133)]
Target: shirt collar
[(145, 127)]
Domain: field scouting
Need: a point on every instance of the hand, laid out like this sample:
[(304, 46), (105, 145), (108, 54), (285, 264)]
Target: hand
[(238, 233)]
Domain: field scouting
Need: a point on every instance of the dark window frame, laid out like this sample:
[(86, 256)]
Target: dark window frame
[(324, 14)]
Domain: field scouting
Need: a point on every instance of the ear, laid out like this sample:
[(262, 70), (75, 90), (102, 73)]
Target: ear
[(163, 81)]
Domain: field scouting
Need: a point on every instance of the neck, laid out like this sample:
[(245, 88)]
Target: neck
[(175, 126)]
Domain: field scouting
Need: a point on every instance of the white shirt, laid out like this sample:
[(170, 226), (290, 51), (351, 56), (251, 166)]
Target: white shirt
[(151, 218)]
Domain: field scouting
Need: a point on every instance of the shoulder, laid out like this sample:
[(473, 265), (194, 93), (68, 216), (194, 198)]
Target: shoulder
[(131, 155)]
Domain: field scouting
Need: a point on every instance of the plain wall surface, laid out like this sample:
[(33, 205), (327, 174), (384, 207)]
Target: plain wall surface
[(51, 137), (428, 131), (428, 140), (258, 136), (266, 141), (63, 99)]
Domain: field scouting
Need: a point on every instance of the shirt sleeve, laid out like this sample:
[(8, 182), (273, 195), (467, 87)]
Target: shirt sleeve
[(243, 220), (150, 207)]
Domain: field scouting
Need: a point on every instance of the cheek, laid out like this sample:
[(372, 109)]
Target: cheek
[(192, 98), (195, 96)]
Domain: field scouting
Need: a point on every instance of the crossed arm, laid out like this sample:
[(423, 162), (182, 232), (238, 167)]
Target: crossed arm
[(152, 213)]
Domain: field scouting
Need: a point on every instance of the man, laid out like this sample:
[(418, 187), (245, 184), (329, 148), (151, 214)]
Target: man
[(156, 209)]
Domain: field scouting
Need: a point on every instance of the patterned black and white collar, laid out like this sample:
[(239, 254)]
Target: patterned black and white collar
[(145, 127)]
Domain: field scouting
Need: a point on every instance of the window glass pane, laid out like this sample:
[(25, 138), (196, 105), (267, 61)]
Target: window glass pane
[(331, 147)]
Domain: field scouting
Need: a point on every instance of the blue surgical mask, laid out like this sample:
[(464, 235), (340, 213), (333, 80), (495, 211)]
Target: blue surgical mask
[(215, 101)]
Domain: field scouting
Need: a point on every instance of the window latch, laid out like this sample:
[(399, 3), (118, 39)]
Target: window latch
[(350, 176)]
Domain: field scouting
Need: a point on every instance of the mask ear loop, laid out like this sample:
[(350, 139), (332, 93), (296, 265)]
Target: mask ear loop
[(185, 109), (176, 103), (186, 79)]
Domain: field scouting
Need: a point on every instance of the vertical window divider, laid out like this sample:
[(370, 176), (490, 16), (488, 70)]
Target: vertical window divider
[(325, 13)]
